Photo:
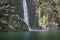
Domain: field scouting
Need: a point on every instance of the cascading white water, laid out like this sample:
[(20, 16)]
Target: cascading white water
[(26, 17)]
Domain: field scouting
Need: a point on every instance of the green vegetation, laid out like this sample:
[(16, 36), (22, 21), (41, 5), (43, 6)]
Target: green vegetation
[(11, 18)]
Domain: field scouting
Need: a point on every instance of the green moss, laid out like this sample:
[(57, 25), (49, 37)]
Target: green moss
[(14, 20)]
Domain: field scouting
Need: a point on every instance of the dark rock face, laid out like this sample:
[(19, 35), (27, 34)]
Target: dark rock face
[(32, 13)]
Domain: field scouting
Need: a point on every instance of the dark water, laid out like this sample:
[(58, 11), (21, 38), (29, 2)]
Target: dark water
[(46, 35)]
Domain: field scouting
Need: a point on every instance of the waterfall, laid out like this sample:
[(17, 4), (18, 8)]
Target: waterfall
[(26, 17)]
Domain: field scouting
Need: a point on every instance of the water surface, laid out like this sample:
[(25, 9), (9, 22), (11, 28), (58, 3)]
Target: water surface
[(42, 35)]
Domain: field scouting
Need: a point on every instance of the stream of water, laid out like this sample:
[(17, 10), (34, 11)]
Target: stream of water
[(26, 17)]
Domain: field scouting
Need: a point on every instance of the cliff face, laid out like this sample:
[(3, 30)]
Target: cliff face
[(44, 12), (32, 13), (41, 12)]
